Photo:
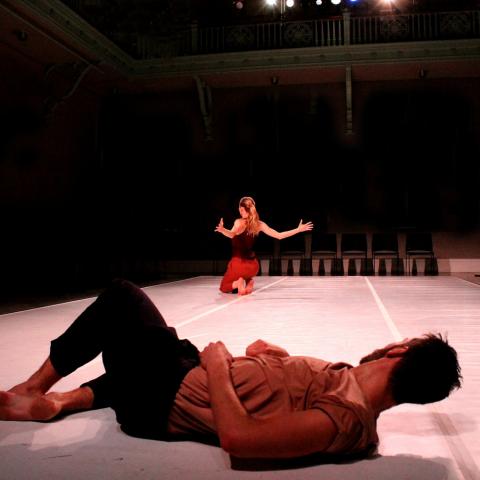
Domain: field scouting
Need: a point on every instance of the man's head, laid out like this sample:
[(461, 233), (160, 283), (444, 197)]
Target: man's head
[(426, 372)]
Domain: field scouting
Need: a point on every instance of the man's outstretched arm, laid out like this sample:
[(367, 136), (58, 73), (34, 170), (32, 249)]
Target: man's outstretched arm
[(242, 435)]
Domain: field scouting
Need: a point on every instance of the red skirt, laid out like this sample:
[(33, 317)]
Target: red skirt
[(238, 267)]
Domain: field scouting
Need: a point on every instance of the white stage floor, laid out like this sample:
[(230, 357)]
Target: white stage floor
[(335, 318)]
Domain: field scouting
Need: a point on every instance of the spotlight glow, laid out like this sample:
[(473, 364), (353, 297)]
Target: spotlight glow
[(290, 3), (271, 2), (336, 2), (318, 2)]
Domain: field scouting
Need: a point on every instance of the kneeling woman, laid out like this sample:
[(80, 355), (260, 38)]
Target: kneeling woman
[(244, 265)]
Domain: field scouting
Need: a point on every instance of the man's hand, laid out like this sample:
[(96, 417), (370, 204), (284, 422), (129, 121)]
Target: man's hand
[(290, 434), (261, 346), (215, 352)]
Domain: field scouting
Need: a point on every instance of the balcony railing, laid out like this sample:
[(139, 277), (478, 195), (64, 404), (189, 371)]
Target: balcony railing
[(415, 27), (331, 32)]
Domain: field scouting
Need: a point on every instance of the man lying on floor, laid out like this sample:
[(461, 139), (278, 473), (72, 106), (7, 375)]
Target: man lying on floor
[(264, 405)]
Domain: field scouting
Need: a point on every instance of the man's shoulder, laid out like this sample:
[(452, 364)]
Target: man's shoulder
[(317, 363)]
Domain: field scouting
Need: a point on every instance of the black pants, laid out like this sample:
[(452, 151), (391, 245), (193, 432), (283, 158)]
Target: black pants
[(144, 360)]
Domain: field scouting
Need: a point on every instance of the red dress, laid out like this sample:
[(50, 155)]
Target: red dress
[(243, 264)]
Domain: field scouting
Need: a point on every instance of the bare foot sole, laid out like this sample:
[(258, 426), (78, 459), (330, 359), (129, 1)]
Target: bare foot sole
[(14, 406), (249, 287), (240, 285)]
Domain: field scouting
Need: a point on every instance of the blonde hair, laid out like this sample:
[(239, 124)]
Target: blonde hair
[(253, 220)]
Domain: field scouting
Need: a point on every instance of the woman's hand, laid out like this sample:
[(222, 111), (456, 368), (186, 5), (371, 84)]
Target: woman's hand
[(219, 227), (304, 227), (215, 352)]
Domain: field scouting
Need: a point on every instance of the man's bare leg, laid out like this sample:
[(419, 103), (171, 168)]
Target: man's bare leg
[(79, 399), (40, 382), (15, 406), (27, 400), (249, 287)]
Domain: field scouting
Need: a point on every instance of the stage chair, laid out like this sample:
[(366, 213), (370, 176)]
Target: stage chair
[(353, 246), (385, 246), (324, 247), (293, 248), (420, 246)]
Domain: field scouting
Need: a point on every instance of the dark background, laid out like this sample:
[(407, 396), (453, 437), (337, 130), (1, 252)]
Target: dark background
[(113, 183)]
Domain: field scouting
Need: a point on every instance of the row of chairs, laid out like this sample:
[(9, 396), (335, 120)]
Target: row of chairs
[(336, 250)]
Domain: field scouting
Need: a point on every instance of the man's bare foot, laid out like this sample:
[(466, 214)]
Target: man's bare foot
[(40, 382), (14, 406), (240, 285), (249, 287)]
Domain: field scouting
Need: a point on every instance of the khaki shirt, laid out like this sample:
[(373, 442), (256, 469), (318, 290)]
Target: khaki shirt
[(270, 386)]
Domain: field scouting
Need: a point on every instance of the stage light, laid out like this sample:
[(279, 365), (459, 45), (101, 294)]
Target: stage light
[(271, 2), (238, 5), (335, 2), (318, 2), (290, 3)]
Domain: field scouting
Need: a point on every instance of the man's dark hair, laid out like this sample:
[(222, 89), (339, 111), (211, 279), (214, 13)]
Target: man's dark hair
[(427, 372)]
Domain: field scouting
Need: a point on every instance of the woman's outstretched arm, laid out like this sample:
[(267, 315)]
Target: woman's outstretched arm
[(302, 227), (237, 228)]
